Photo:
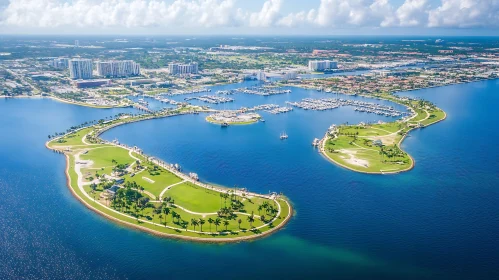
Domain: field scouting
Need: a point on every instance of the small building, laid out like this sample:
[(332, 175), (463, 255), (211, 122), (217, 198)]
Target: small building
[(91, 83), (111, 192), (378, 143)]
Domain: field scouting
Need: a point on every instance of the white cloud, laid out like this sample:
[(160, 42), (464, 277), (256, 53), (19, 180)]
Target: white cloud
[(465, 13), (268, 15), (121, 13), (413, 13), (197, 14), (343, 13)]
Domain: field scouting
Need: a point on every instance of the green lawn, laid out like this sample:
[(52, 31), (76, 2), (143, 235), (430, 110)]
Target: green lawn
[(435, 115), (376, 163), (103, 157), (195, 198), (72, 139), (161, 181)]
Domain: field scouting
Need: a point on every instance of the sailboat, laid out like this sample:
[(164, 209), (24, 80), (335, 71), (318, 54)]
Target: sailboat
[(283, 136)]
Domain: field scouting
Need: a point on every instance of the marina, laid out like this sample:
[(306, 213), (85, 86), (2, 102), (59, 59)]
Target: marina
[(333, 103), (212, 99), (264, 91), (185, 92)]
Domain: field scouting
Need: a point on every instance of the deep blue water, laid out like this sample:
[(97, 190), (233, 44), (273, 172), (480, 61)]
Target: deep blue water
[(438, 221)]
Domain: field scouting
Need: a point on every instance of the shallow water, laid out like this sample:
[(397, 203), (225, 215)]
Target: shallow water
[(437, 221)]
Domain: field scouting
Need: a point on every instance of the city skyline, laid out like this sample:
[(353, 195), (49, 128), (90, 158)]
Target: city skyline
[(285, 17)]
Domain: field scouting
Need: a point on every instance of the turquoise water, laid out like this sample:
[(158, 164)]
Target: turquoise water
[(437, 221)]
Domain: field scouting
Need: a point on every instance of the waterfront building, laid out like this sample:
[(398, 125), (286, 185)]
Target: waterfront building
[(91, 83), (290, 76), (321, 65), (80, 68), (60, 62), (118, 69), (260, 75), (182, 69)]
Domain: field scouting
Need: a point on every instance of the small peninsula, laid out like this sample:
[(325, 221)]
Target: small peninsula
[(374, 148), (129, 187)]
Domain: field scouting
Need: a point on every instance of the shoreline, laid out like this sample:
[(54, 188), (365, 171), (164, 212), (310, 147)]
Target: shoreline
[(63, 101), (159, 233)]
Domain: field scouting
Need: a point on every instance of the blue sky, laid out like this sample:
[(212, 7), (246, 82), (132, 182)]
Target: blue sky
[(286, 17)]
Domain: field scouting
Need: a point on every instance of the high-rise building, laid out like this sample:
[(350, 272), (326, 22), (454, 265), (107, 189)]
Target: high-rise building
[(80, 68), (321, 65), (60, 62), (260, 75), (181, 69), (117, 69), (290, 76)]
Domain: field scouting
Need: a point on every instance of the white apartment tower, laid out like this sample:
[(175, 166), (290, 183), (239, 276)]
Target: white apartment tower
[(181, 69), (117, 69), (260, 75), (60, 62), (80, 68), (321, 65)]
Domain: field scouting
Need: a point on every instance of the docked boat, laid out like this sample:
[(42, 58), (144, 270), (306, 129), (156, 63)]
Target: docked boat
[(224, 124), (194, 176), (262, 120), (316, 142)]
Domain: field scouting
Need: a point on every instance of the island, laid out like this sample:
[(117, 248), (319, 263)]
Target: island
[(226, 118), (374, 148), (124, 184)]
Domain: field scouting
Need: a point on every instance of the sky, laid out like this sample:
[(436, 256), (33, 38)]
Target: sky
[(272, 17)]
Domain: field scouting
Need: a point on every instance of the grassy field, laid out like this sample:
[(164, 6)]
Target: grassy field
[(72, 139), (103, 157), (356, 146), (196, 198)]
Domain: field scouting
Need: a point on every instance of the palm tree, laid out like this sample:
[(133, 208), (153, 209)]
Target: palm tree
[(251, 219), (262, 218), (174, 215), (201, 223), (166, 210), (259, 209), (217, 223), (210, 221), (194, 223), (226, 224), (239, 222)]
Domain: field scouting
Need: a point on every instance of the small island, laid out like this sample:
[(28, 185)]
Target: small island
[(233, 117), (374, 148), (127, 186)]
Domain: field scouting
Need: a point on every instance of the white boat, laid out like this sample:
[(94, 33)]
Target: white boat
[(283, 136), (316, 142)]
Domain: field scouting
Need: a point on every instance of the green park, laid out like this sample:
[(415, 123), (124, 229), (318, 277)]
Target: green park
[(375, 148), (134, 189)]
